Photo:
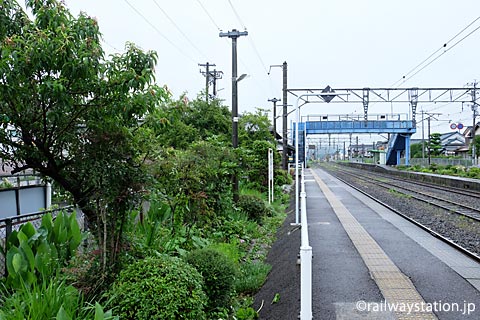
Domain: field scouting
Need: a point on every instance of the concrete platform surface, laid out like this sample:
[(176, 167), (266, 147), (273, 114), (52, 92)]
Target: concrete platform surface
[(369, 263)]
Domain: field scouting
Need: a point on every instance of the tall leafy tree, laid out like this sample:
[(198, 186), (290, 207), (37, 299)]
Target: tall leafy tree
[(416, 150), (74, 116), (435, 144)]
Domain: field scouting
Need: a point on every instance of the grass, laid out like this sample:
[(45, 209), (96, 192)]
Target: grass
[(252, 276), (399, 194)]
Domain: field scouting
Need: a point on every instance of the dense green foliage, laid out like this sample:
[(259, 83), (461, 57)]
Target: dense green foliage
[(218, 272), (74, 116), (163, 287), (252, 276), (35, 255), (254, 207), (461, 171), (416, 150), (34, 287), (112, 140), (476, 142), (435, 144)]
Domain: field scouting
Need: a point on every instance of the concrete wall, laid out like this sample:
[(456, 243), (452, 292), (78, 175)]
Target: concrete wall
[(30, 199)]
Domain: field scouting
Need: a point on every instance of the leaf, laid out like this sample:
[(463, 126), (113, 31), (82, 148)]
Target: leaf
[(28, 229), (75, 234), (276, 298), (62, 314), (18, 263), (99, 314), (28, 253), (43, 259), (47, 223)]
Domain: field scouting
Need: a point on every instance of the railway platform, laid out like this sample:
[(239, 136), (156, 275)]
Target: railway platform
[(370, 263)]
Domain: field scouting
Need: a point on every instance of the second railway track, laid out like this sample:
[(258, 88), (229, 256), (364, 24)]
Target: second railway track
[(455, 217)]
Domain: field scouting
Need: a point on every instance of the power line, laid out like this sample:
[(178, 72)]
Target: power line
[(237, 15), (111, 46), (435, 52), (208, 14), (450, 48), (254, 47), (159, 32), (179, 30)]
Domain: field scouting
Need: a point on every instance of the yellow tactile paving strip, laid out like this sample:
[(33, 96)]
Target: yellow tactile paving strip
[(396, 287)]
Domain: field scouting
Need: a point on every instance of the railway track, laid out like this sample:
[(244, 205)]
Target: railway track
[(450, 239), (407, 188)]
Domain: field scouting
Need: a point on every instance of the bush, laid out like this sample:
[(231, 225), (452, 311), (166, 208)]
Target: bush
[(282, 177), (33, 255), (163, 287), (254, 207), (252, 276), (230, 250), (53, 298), (218, 272)]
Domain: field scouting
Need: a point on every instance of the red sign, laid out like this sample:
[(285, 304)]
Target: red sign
[(453, 126)]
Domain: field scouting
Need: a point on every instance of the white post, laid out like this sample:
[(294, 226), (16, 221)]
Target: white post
[(306, 262), (273, 171), (305, 144), (48, 193), (270, 175)]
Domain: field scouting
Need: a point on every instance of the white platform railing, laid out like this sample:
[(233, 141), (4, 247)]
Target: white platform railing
[(305, 258)]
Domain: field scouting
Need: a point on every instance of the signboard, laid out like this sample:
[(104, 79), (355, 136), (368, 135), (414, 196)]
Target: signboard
[(458, 126)]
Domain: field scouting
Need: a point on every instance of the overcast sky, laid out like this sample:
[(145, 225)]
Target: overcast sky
[(341, 43)]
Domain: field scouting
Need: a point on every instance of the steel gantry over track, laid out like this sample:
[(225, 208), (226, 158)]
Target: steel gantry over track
[(401, 129)]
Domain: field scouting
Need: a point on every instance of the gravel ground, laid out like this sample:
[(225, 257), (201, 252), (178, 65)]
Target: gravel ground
[(284, 278), (461, 230)]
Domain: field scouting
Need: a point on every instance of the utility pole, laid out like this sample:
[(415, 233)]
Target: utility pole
[(474, 110), (206, 73), (210, 77), (274, 100), (216, 75), (234, 35), (285, 115), (423, 137), (429, 117)]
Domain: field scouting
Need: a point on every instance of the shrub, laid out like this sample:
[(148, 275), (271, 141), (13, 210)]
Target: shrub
[(282, 177), (252, 276), (254, 207), (53, 298), (41, 301), (218, 272), (163, 287), (230, 250), (33, 255)]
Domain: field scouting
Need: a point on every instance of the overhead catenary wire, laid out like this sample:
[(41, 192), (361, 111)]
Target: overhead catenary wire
[(404, 78), (159, 32), (237, 15), (180, 30), (250, 40), (209, 16), (450, 48)]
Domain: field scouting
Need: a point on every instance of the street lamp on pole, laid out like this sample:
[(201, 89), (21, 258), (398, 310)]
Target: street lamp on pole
[(234, 35)]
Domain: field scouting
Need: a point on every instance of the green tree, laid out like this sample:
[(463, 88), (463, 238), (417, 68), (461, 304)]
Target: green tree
[(253, 127), (416, 150), (477, 146), (193, 121), (74, 116), (435, 144), (196, 183), (211, 119)]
